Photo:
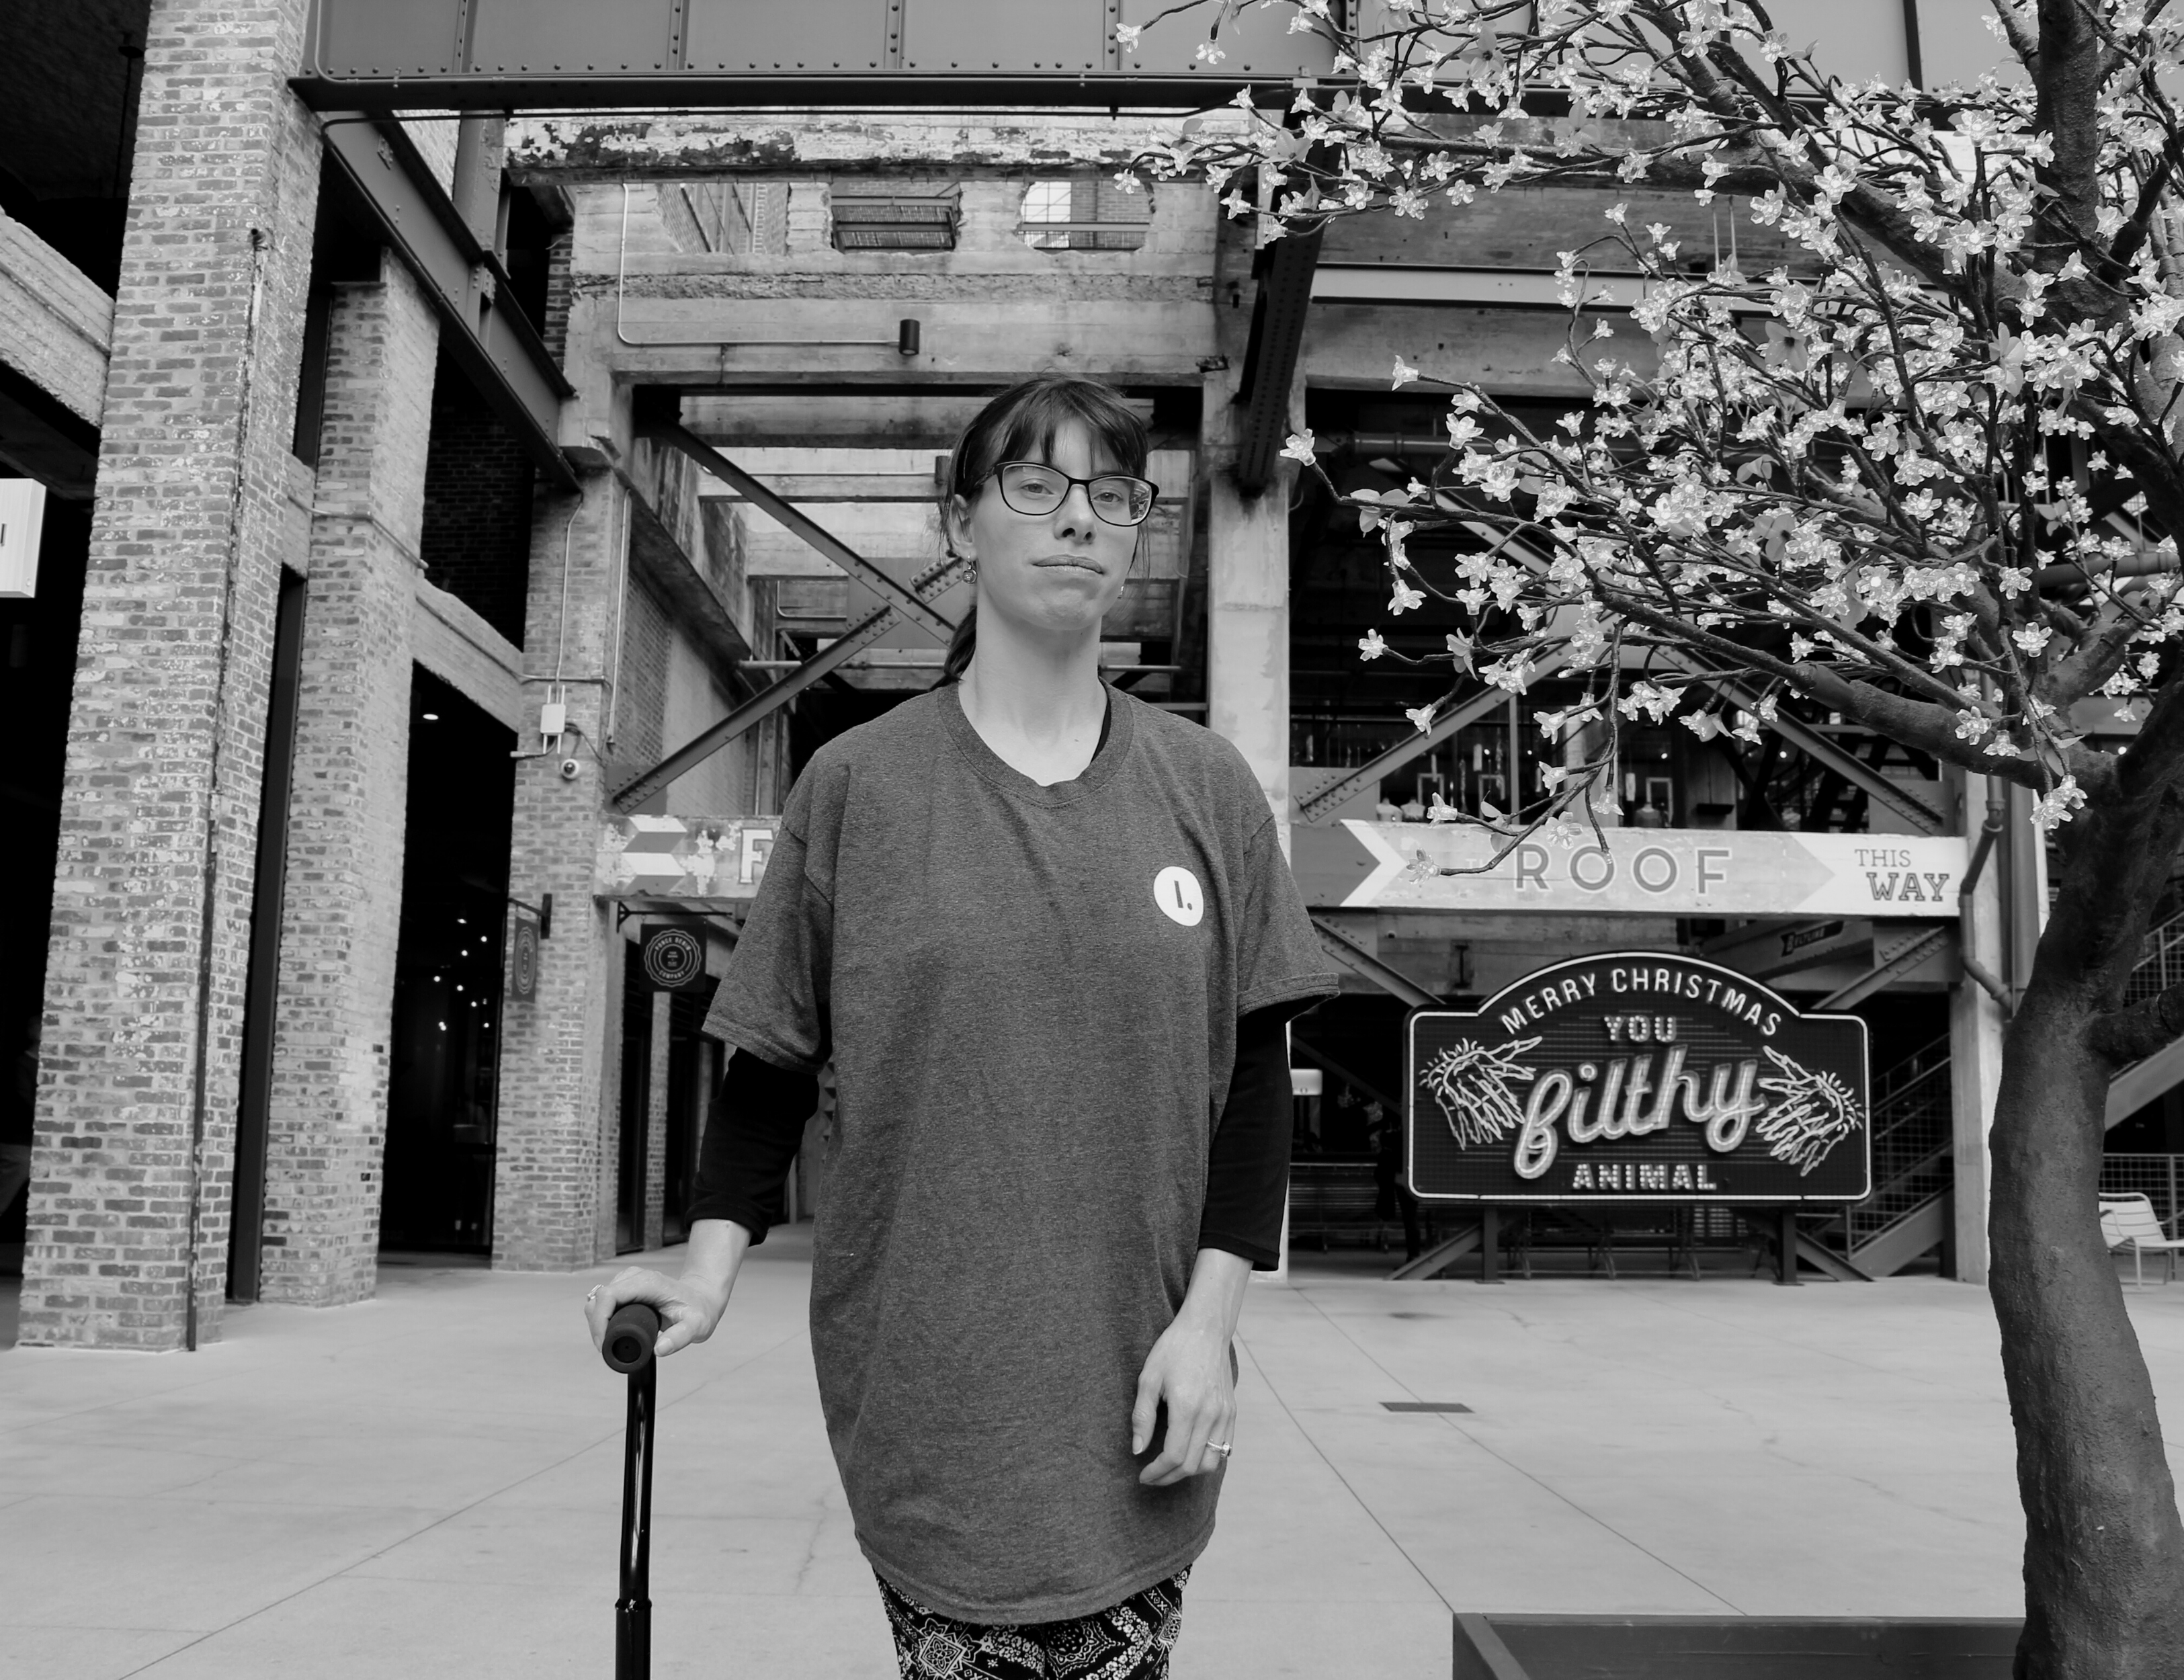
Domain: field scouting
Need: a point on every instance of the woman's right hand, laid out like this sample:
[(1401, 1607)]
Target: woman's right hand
[(690, 1306)]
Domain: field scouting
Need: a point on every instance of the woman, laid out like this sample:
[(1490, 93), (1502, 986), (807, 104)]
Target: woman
[(1046, 935)]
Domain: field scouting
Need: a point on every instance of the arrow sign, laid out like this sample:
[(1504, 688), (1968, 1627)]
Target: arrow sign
[(1653, 871)]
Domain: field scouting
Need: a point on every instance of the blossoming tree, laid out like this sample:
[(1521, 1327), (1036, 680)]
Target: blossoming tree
[(1924, 473)]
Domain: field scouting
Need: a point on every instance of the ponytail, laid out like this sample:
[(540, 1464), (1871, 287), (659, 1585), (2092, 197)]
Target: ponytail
[(961, 646)]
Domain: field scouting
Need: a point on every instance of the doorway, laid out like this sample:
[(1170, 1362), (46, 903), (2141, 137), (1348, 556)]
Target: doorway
[(692, 1065), (246, 1253), (37, 671), (443, 1084)]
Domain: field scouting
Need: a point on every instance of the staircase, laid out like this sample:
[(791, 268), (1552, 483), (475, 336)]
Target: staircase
[(1909, 1210), (2161, 967)]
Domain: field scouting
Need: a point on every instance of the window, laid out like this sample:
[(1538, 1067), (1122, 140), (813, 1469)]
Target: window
[(734, 218), (1083, 214), (895, 222)]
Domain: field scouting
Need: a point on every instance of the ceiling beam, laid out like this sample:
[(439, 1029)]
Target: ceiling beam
[(1284, 267), (480, 328)]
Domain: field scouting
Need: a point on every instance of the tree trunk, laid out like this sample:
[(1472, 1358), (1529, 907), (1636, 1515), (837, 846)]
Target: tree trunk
[(2103, 1550)]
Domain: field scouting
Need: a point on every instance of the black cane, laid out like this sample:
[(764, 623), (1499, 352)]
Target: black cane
[(627, 1348)]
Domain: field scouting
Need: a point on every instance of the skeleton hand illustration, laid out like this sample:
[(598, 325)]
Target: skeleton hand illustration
[(1471, 1083), (1812, 1113)]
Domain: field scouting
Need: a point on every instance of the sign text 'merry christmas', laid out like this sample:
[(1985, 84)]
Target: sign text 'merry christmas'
[(1737, 997)]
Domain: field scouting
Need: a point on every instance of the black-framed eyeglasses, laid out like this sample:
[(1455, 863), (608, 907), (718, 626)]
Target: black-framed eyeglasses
[(1116, 497)]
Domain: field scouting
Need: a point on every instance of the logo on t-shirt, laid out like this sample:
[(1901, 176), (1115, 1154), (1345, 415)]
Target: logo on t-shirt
[(1176, 892)]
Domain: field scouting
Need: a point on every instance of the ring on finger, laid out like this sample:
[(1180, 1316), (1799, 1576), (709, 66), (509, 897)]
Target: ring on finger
[(1223, 1447)]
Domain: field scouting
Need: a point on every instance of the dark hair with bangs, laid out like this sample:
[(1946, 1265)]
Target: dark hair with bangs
[(1020, 425)]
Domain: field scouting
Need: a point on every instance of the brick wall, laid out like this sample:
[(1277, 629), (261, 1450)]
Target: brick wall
[(477, 534), (553, 1204), (341, 912), (554, 333), (640, 711), (128, 1217)]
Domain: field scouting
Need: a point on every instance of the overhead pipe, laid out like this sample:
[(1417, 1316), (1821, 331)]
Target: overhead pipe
[(1990, 831)]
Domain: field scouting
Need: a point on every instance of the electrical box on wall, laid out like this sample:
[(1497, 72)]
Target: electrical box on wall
[(22, 521)]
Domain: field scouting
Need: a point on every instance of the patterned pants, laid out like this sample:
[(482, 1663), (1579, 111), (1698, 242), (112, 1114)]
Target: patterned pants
[(1129, 1641)]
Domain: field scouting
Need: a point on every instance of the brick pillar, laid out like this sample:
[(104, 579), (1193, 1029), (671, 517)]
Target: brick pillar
[(553, 1191), (655, 1120), (144, 988), (326, 1126)]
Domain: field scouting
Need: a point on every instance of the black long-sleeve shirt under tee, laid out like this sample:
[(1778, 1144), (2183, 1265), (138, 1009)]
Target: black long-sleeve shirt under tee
[(758, 1119)]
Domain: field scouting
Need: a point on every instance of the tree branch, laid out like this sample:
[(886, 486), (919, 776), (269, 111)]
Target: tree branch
[(1931, 729), (2131, 1035)]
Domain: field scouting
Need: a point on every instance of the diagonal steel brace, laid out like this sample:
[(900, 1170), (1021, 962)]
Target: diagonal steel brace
[(905, 600), (771, 699)]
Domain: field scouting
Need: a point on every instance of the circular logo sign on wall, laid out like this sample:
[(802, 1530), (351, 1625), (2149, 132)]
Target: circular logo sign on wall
[(1176, 892), (523, 958), (673, 958)]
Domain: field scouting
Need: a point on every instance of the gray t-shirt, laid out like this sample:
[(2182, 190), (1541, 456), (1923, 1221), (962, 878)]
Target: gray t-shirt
[(1029, 996)]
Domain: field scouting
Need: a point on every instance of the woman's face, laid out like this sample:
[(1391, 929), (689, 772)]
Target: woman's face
[(1052, 574)]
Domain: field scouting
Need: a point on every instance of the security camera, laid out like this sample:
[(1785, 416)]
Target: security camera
[(570, 770)]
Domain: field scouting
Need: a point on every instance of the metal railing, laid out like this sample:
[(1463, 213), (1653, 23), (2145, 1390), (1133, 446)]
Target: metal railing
[(1912, 1122), (2162, 964), (1911, 1130), (2154, 1176)]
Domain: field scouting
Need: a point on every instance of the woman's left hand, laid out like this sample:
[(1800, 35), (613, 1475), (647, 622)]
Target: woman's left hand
[(1189, 1369)]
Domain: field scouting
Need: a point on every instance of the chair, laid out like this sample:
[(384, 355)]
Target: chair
[(2129, 1221)]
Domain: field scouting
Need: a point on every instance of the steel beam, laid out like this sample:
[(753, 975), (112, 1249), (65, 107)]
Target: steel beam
[(469, 55), (904, 599), (1362, 962), (1285, 302), (761, 705), (1887, 970), (1315, 806), (1432, 1263), (771, 699), (1816, 746), (480, 325)]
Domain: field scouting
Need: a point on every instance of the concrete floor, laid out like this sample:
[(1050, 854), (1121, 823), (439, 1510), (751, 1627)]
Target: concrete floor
[(428, 1485)]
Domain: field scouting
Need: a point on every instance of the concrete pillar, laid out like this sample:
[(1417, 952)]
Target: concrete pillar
[(326, 1129), (1975, 1030), (655, 1120), (553, 1197), (137, 1085), (1247, 603)]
